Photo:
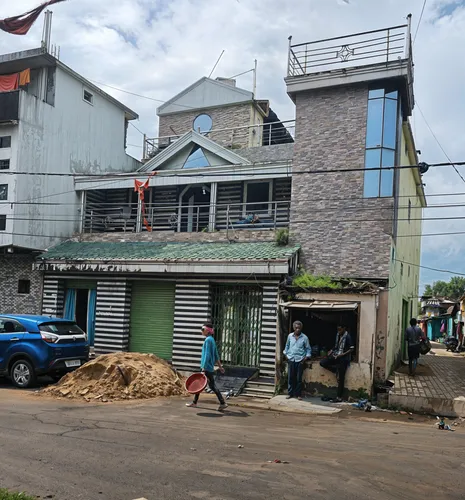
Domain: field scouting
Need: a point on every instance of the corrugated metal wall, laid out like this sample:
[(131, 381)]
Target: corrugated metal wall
[(164, 206), (53, 296), (112, 318), (228, 193)]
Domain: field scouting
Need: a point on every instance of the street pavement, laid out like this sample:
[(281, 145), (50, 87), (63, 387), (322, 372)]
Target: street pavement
[(160, 450)]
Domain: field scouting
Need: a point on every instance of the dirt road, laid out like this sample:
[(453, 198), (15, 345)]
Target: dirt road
[(162, 450)]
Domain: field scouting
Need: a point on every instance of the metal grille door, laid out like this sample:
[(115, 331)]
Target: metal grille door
[(237, 319)]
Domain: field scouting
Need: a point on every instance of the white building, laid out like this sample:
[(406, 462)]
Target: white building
[(58, 123)]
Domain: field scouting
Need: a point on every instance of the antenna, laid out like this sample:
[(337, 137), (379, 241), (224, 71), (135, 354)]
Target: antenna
[(254, 88), (216, 64)]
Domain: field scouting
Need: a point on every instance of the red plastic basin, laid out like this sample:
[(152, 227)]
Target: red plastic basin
[(196, 383)]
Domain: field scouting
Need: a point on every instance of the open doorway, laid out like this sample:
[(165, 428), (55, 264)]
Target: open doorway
[(194, 209), (82, 303), (320, 326)]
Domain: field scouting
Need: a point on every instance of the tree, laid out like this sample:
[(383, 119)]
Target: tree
[(454, 289)]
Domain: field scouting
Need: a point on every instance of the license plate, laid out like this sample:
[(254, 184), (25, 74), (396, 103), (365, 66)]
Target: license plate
[(72, 363)]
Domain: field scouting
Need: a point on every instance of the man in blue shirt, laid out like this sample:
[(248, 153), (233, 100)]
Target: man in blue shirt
[(297, 351), (209, 358)]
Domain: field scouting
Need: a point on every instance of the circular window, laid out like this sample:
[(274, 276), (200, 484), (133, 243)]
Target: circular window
[(203, 124)]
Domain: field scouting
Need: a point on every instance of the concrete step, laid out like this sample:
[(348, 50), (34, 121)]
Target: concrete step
[(256, 396), (257, 392), (260, 385)]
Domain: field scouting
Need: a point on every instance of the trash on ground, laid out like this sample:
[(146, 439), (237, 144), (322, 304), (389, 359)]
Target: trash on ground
[(240, 446), (443, 426), (120, 376), (364, 405)]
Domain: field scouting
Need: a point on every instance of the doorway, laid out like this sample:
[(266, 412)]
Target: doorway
[(82, 303), (194, 209)]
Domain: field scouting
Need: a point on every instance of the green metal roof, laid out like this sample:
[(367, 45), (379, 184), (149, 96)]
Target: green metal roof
[(104, 251)]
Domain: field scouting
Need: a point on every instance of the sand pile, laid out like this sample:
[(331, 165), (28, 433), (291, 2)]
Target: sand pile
[(120, 376)]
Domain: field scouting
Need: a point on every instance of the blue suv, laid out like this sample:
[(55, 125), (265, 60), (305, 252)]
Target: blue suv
[(39, 345)]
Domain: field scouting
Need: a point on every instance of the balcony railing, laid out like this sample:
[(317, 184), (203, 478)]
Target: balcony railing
[(264, 134), (9, 106), (360, 49), (107, 217)]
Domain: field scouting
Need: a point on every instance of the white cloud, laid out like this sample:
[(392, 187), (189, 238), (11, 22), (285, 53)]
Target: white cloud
[(158, 47)]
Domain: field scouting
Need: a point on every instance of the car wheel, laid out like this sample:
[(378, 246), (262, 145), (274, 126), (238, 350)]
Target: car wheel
[(22, 374)]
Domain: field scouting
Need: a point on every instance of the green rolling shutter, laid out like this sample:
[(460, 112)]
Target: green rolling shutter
[(152, 318)]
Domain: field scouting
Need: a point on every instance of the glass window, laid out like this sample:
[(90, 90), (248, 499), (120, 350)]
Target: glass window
[(196, 159), (2, 222), (375, 123), (8, 325), (61, 328), (3, 192), (203, 124), (381, 141), (257, 193), (5, 142), (373, 94), (387, 176), (4, 164), (390, 120), (88, 97)]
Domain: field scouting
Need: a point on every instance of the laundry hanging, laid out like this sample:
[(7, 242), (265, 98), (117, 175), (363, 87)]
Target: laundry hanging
[(9, 82), (25, 77), (140, 188), (20, 25)]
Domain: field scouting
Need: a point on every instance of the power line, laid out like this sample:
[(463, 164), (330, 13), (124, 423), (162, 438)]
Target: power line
[(419, 21), (430, 268), (440, 145), (195, 173), (140, 131)]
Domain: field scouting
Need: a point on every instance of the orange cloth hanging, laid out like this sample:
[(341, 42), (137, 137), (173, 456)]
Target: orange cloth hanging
[(9, 82), (24, 77), (140, 188)]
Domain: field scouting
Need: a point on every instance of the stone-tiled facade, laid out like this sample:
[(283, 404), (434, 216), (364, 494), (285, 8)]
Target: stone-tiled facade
[(341, 233), (241, 236), (224, 117), (15, 267)]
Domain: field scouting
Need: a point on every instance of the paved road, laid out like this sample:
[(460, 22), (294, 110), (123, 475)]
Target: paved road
[(162, 450)]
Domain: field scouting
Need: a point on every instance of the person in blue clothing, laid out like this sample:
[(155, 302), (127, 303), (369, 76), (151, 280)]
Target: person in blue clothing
[(297, 351), (210, 357)]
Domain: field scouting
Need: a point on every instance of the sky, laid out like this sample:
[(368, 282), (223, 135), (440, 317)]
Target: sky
[(156, 48)]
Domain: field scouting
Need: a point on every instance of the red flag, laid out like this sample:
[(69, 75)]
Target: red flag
[(20, 25)]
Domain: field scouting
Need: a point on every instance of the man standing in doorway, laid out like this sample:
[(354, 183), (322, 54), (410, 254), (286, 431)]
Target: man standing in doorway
[(413, 337), (297, 351), (338, 359), (210, 357)]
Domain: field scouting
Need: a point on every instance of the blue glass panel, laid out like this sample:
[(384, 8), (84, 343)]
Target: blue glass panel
[(390, 123), (197, 159), (372, 94), (392, 95), (371, 180), (375, 123), (203, 124), (387, 176)]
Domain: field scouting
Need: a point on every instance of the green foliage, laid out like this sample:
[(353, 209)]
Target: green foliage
[(6, 495), (362, 393), (454, 289), (282, 237), (306, 280)]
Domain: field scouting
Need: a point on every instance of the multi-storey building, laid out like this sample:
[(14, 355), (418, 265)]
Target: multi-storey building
[(53, 124), (196, 234)]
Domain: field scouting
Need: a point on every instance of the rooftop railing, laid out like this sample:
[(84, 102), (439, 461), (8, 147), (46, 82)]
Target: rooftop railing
[(359, 49)]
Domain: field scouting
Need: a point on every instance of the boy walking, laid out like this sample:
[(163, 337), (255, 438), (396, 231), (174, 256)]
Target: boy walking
[(210, 357)]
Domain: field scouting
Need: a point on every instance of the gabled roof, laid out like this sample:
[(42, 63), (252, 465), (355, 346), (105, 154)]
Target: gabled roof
[(205, 93), (192, 138)]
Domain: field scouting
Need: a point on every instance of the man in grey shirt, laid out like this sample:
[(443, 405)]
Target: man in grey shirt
[(413, 337)]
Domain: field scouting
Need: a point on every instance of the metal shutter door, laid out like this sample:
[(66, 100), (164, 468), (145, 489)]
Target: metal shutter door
[(152, 318)]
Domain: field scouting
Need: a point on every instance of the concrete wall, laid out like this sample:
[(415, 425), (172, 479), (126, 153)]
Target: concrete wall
[(404, 279), (341, 233), (14, 267), (360, 373), (224, 117), (72, 136)]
